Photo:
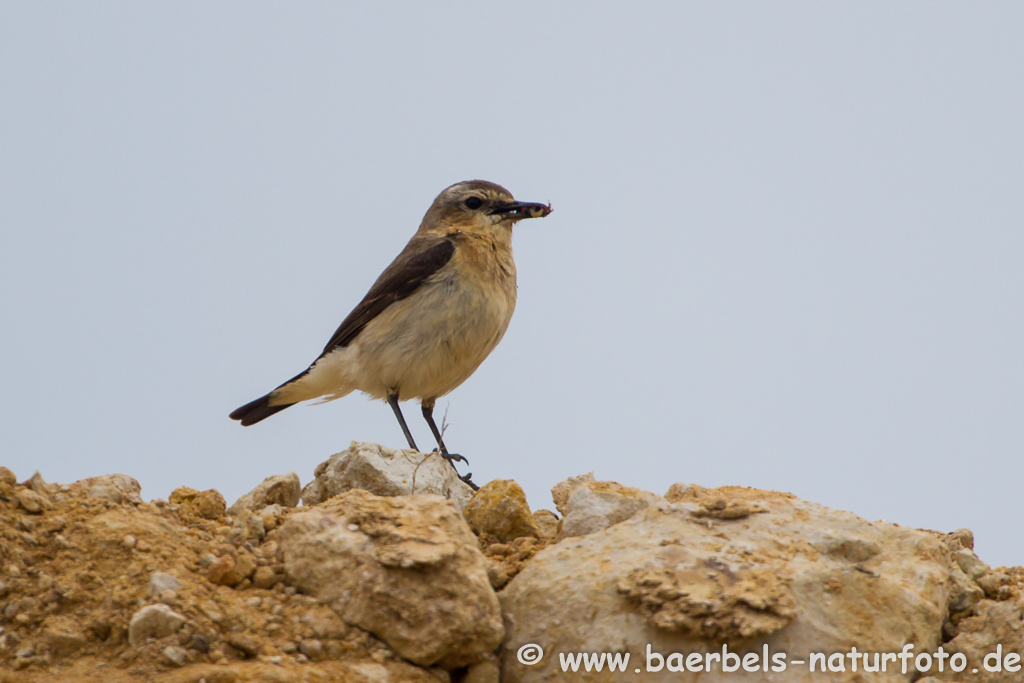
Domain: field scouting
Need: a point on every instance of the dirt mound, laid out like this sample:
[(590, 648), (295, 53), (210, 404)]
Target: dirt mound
[(78, 562)]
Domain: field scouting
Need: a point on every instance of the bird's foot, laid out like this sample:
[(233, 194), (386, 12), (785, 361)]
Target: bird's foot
[(452, 457), (468, 480)]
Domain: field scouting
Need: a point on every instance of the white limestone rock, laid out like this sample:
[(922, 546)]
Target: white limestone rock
[(385, 472)]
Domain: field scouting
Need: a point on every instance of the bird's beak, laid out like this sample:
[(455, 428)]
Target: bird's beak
[(520, 210)]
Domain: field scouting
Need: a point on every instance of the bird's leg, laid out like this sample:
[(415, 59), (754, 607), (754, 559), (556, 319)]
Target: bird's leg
[(428, 415), (393, 402), (452, 458)]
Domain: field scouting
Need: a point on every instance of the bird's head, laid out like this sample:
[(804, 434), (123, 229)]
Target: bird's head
[(480, 207)]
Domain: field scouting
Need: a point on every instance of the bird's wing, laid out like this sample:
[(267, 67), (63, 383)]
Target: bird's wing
[(420, 259)]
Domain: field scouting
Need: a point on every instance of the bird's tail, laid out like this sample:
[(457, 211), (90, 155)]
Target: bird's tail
[(260, 409), (257, 410)]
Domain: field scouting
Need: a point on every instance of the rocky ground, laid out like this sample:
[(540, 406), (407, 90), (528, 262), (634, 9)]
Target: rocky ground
[(393, 570)]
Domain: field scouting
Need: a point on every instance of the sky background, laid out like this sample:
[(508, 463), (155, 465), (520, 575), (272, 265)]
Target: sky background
[(787, 250)]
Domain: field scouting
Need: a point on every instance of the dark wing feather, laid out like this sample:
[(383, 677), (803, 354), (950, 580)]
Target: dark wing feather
[(421, 258)]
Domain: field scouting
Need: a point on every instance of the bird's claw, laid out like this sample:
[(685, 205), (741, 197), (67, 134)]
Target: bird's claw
[(454, 457)]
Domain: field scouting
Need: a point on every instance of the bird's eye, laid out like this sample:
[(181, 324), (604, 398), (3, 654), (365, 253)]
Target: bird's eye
[(474, 203)]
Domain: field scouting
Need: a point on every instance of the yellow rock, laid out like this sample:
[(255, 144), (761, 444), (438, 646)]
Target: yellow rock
[(499, 509)]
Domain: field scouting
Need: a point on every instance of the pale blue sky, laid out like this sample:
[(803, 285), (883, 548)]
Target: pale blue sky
[(786, 250)]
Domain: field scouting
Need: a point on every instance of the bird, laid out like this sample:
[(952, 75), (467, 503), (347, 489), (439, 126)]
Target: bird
[(430, 319)]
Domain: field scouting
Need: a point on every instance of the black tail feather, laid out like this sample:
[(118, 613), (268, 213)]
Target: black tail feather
[(260, 409), (257, 410)]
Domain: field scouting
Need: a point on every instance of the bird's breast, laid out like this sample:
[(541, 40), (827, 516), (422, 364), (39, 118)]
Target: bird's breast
[(429, 343)]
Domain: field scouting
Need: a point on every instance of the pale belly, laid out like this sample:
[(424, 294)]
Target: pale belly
[(422, 347)]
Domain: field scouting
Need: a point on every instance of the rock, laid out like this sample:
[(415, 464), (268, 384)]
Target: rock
[(280, 489), (547, 523), (119, 488), (36, 483), (32, 502), (223, 572), (497, 574), (681, 491), (560, 491), (992, 583), (407, 570), (244, 644), (997, 627), (160, 582), (595, 505), (964, 594), (265, 577), (313, 649), (63, 636), (7, 478), (796, 578), (246, 527), (485, 671), (499, 509), (713, 503), (175, 656), (153, 621), (207, 504), (385, 472), (959, 539), (246, 565), (971, 565), (199, 644), (271, 516)]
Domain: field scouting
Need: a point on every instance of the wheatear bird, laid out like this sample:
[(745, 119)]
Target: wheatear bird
[(431, 317)]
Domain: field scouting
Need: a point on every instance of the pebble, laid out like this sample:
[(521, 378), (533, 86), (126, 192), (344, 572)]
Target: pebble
[(210, 609), (153, 621), (224, 572), (31, 501), (199, 644), (159, 582), (244, 643), (311, 648), (265, 577), (128, 542), (175, 655)]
